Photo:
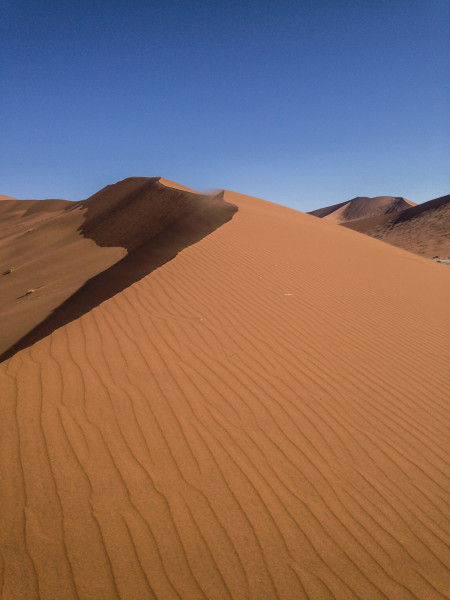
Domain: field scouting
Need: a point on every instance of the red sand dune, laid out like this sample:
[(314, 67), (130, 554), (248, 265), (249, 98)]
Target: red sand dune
[(423, 229), (85, 252), (362, 207), (47, 254), (265, 416)]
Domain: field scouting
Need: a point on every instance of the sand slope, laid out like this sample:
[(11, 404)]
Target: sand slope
[(265, 416), (423, 229), (362, 207), (41, 243), (71, 260)]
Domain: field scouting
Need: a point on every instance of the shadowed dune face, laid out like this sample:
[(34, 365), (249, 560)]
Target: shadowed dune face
[(264, 417), (361, 208), (423, 229), (132, 212), (71, 260)]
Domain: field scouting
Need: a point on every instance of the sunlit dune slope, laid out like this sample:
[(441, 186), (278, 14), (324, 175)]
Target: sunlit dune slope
[(265, 416), (11, 208), (362, 207), (423, 229), (92, 248), (43, 260)]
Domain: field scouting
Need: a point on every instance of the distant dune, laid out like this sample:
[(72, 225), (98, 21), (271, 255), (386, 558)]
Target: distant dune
[(423, 229), (263, 417), (362, 208)]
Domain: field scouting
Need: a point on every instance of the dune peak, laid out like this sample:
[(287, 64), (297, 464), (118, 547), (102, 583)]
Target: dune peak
[(102, 245), (266, 416)]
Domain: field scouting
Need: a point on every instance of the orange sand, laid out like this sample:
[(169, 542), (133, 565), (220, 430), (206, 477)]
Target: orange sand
[(265, 416), (423, 229), (362, 207), (68, 257)]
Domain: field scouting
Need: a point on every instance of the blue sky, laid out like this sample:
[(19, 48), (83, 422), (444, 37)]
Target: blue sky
[(304, 103)]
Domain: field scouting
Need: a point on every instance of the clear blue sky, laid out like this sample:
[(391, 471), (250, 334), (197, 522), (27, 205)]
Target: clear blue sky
[(304, 103)]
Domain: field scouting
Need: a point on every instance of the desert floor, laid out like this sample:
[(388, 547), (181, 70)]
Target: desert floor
[(264, 416)]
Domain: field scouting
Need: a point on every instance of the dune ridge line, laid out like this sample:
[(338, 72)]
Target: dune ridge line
[(102, 244), (266, 416)]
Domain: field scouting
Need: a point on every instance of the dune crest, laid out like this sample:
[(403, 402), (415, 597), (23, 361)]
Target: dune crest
[(266, 416), (423, 229), (66, 262), (177, 186), (362, 207)]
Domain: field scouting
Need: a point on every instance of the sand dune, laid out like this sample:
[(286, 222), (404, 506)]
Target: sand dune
[(362, 207), (48, 257), (265, 416), (85, 252), (11, 208), (423, 229)]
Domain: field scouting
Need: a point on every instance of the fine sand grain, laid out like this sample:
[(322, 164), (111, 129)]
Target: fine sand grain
[(265, 416)]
